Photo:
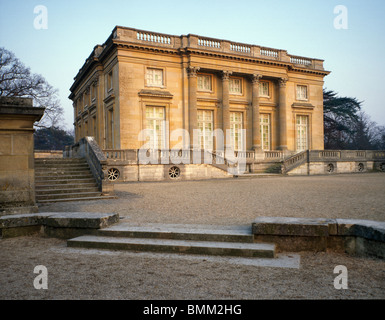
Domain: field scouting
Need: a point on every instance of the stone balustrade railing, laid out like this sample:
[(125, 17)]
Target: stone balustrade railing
[(192, 41), (295, 161), (346, 155), (162, 156)]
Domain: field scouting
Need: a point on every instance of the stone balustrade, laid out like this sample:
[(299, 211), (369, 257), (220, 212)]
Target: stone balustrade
[(191, 41)]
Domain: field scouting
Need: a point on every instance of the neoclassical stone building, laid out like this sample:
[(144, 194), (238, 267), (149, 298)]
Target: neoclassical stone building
[(266, 98)]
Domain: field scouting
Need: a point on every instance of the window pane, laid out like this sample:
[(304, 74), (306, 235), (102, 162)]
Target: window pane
[(205, 126), (155, 124), (204, 82), (264, 89), (154, 77), (265, 131), (302, 132), (235, 86), (236, 126), (302, 93)]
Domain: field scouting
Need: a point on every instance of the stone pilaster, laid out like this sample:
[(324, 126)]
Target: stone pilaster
[(282, 114), (192, 101), (256, 133), (226, 105)]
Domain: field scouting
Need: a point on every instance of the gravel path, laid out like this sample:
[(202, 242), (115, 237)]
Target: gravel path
[(97, 274), (240, 201)]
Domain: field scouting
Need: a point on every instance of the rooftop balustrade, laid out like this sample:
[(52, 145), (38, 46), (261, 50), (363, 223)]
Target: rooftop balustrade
[(197, 42)]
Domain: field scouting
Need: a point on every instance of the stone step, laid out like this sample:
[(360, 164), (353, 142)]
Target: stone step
[(64, 166), (76, 199), (45, 171), (57, 181), (59, 164), (41, 187), (258, 175), (180, 232), (63, 176), (42, 192), (69, 171), (254, 250), (61, 179), (57, 196), (60, 160)]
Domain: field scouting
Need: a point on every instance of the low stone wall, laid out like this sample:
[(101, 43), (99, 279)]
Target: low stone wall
[(59, 225), (335, 167), (161, 172), (357, 237)]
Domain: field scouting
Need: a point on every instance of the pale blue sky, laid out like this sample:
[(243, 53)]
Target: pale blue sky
[(355, 55)]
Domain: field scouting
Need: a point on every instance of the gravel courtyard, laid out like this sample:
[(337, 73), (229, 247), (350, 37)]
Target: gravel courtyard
[(240, 201), (97, 274)]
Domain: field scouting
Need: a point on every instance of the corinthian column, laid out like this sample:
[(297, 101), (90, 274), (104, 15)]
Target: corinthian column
[(255, 107), (282, 114), (192, 101), (225, 106)]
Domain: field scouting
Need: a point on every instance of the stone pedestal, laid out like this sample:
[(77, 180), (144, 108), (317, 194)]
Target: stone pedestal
[(17, 175)]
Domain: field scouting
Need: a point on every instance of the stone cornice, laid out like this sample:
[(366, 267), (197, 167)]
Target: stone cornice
[(302, 105), (155, 93)]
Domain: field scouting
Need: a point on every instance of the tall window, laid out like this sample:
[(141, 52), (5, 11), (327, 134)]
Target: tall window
[(264, 119), (302, 130), (109, 81), (205, 126), (154, 77), (93, 93), (264, 89), (302, 93), (204, 82), (155, 122), (235, 86), (110, 129), (236, 134)]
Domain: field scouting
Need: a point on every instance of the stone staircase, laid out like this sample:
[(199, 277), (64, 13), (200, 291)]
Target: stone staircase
[(69, 179), (225, 241)]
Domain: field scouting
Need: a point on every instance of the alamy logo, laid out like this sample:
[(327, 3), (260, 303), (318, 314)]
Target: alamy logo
[(41, 20), (341, 20), (341, 281), (41, 281)]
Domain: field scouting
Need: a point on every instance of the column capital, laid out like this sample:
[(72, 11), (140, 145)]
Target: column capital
[(95, 79), (282, 82), (192, 71), (255, 78), (226, 75)]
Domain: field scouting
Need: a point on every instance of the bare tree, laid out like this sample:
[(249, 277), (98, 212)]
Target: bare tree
[(16, 80)]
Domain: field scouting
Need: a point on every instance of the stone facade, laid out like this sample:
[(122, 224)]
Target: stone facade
[(198, 83), (17, 175)]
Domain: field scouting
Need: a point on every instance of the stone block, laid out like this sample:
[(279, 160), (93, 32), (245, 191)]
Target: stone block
[(291, 226), (84, 220), (367, 229), (65, 224), (5, 145), (22, 220)]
